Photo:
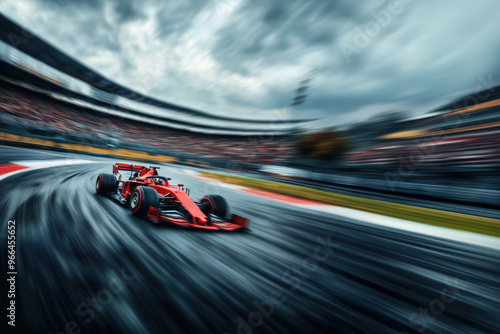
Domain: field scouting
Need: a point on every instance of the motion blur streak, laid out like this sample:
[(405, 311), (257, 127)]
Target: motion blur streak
[(74, 246)]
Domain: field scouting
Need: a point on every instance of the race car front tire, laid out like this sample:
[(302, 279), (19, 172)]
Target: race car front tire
[(105, 183), (214, 204), (141, 199)]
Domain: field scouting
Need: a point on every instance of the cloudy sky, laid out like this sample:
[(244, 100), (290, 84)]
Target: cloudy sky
[(245, 58)]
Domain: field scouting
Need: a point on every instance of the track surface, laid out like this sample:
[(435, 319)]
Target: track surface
[(84, 262)]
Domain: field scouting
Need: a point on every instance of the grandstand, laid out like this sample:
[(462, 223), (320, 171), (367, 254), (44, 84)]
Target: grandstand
[(458, 135), (44, 92)]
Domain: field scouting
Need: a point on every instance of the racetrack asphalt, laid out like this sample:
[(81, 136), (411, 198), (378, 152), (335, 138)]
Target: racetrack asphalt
[(84, 262)]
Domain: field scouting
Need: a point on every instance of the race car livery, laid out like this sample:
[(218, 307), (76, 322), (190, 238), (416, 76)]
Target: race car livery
[(154, 197)]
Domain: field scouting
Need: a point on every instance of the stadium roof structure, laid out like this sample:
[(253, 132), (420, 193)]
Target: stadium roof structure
[(27, 56)]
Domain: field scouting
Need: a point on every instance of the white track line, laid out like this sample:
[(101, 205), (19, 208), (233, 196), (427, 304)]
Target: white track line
[(40, 164), (407, 225), (51, 163)]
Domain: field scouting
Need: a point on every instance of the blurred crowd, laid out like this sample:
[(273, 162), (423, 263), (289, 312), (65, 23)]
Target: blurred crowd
[(32, 110), (473, 148), (479, 146)]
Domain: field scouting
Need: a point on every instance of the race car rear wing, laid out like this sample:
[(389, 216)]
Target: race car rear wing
[(117, 167), (127, 167)]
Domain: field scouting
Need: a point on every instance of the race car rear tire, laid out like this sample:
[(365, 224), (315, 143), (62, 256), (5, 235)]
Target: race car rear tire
[(105, 183), (141, 199), (214, 204)]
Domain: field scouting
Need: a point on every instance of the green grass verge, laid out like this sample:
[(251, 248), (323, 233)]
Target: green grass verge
[(447, 219)]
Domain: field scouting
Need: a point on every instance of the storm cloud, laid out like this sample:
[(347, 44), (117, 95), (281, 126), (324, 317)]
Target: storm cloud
[(246, 58)]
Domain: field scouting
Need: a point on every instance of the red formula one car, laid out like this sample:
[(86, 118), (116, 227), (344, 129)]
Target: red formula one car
[(151, 195)]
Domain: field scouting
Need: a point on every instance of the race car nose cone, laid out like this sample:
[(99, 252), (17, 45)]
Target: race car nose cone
[(202, 220)]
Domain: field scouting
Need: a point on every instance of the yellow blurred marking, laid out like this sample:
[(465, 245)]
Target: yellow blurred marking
[(404, 134), (475, 107), (40, 74), (409, 134), (125, 153)]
